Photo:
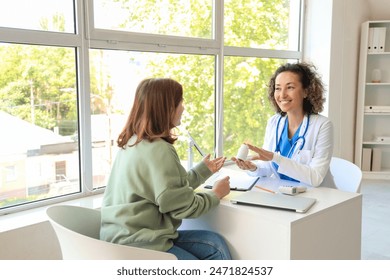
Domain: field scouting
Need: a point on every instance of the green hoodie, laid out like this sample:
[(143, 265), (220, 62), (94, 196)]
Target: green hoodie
[(149, 193)]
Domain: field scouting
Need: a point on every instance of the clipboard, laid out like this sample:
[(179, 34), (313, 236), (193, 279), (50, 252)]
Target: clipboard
[(239, 180)]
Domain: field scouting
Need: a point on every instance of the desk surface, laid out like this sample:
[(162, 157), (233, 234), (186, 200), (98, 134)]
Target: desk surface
[(325, 198), (330, 229)]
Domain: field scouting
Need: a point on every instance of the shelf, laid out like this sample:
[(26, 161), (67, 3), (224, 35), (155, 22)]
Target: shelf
[(378, 53), (373, 119), (377, 113), (384, 171), (376, 109), (384, 174), (384, 143), (377, 84)]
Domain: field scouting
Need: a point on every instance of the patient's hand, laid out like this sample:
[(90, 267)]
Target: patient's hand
[(215, 164), (222, 187)]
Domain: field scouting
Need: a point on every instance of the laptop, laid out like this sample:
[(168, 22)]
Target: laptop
[(279, 201)]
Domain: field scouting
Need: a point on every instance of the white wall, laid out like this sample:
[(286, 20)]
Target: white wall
[(344, 67), (379, 9), (332, 43), (317, 36)]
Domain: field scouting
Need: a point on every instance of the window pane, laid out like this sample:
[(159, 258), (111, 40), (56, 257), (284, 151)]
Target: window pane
[(246, 104), (47, 15), (38, 111), (191, 18), (114, 78), (262, 24)]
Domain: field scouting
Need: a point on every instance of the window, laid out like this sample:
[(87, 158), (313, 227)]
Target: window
[(246, 105), (10, 173), (38, 110), (70, 69), (112, 93), (177, 18), (44, 15), (262, 24)]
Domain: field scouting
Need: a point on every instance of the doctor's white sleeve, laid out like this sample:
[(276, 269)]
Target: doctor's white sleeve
[(315, 171)]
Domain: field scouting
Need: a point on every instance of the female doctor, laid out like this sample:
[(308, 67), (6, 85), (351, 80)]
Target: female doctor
[(298, 142)]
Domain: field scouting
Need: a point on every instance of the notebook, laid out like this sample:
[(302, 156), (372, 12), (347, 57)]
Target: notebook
[(280, 201)]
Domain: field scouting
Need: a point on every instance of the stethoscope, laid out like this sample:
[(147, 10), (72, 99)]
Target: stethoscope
[(299, 141)]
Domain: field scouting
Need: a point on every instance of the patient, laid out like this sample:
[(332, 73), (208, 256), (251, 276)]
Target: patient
[(149, 192)]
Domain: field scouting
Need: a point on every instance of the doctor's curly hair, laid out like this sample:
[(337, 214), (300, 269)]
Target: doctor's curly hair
[(311, 82)]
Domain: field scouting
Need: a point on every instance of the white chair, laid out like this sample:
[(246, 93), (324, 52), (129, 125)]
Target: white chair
[(346, 175), (77, 229)]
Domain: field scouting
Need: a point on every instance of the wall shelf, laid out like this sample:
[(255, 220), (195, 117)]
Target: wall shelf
[(378, 84), (377, 113), (382, 175), (379, 53), (373, 106), (376, 143)]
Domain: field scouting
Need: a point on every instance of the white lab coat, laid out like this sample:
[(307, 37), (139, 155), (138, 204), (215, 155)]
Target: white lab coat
[(310, 165)]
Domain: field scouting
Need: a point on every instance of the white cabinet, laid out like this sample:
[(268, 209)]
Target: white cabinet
[(372, 147)]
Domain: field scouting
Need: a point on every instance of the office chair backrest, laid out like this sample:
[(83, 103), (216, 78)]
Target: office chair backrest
[(346, 175), (78, 229)]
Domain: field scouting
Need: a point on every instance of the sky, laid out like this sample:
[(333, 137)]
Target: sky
[(27, 13)]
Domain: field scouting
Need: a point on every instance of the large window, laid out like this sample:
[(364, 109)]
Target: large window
[(38, 112), (44, 15), (114, 78), (246, 105), (190, 18), (262, 24), (70, 68)]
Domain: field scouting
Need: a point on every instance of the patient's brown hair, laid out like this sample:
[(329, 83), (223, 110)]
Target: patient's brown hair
[(153, 111)]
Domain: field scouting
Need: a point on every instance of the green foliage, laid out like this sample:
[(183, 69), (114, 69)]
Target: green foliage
[(246, 104), (48, 74), (256, 24), (32, 83), (38, 83), (192, 18), (248, 23)]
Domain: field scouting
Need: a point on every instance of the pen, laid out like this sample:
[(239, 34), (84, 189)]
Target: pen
[(264, 189)]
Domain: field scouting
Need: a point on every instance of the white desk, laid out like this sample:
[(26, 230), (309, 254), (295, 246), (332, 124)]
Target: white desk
[(331, 229)]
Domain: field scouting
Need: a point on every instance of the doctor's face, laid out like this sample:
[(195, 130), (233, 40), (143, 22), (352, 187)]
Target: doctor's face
[(289, 93)]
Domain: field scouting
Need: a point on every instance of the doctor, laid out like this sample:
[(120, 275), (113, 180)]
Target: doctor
[(298, 143)]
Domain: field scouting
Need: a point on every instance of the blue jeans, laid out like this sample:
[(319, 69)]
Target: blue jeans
[(200, 245)]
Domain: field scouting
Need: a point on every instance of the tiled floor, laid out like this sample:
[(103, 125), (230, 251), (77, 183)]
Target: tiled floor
[(376, 220)]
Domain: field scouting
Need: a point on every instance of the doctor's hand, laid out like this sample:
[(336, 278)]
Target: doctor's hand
[(215, 164), (245, 164), (262, 154), (222, 187)]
